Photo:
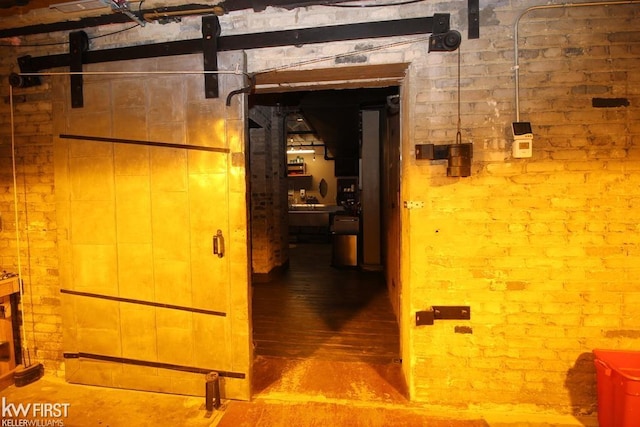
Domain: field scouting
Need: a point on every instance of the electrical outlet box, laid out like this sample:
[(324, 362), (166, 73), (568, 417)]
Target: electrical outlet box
[(522, 140)]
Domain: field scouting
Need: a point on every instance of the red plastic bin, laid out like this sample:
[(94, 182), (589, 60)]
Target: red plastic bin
[(618, 380)]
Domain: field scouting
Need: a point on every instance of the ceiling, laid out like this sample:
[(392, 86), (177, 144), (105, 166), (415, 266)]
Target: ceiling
[(21, 7)]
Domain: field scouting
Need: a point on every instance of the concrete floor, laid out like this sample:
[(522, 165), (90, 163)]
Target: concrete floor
[(288, 393)]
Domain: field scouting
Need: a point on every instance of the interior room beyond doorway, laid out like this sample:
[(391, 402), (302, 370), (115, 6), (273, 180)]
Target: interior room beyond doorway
[(313, 301)]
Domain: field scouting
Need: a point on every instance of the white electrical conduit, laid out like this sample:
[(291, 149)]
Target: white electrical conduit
[(516, 66), (13, 159)]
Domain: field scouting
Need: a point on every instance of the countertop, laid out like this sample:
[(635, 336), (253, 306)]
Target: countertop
[(9, 286), (314, 207)]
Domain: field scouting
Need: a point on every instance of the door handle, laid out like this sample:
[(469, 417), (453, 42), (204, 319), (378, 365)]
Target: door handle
[(218, 244)]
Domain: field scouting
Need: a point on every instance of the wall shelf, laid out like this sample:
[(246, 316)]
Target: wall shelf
[(296, 168)]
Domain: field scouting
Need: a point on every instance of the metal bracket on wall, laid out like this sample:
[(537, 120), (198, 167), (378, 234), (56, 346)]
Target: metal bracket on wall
[(210, 33), (78, 44), (432, 152), (473, 10), (17, 80), (458, 156), (413, 204), (442, 312)]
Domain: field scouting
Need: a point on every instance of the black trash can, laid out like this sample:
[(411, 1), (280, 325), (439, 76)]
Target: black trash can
[(344, 241)]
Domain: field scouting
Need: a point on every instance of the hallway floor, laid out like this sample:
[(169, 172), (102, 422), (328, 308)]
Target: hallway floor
[(327, 354), (314, 310), (106, 407)]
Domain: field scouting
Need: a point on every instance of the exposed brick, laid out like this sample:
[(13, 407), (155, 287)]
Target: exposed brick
[(543, 249)]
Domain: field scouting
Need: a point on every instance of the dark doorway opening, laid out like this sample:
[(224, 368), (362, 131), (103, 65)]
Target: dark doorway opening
[(313, 310)]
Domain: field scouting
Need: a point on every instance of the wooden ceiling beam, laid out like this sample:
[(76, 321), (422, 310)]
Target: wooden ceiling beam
[(374, 75)]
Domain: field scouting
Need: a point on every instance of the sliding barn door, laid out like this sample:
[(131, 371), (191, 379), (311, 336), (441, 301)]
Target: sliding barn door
[(150, 184)]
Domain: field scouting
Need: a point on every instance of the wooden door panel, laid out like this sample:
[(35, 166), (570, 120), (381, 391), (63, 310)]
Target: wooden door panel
[(143, 345), (147, 304)]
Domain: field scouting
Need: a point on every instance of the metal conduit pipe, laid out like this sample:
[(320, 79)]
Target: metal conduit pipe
[(516, 66), (246, 89)]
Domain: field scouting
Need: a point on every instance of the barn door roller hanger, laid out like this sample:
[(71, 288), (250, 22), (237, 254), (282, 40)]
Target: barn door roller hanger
[(79, 44), (80, 54)]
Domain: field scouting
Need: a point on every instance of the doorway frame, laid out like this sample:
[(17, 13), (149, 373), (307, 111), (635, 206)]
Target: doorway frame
[(356, 77)]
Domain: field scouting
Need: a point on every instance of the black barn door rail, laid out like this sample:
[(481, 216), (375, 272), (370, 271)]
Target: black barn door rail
[(211, 43), (398, 27)]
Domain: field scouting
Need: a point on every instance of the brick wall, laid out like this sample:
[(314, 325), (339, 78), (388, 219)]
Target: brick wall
[(544, 250), (36, 219), (269, 238)]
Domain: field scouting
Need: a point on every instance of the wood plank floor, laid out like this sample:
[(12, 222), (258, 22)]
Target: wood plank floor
[(321, 312), (263, 414)]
